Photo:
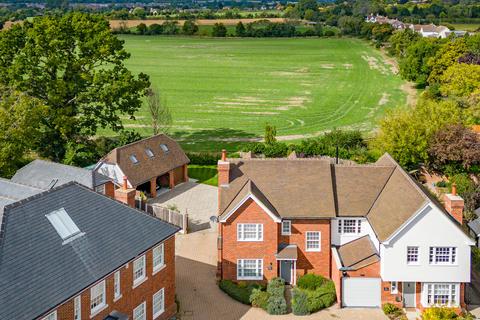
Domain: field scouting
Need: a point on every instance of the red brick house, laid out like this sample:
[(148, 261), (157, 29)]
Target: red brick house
[(369, 228), (148, 164), (70, 253)]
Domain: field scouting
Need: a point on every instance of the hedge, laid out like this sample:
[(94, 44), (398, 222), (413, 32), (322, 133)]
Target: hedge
[(319, 291), (240, 292)]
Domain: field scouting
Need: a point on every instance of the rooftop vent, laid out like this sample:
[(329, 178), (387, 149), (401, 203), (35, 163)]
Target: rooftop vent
[(164, 148), (134, 159), (149, 153), (63, 224)]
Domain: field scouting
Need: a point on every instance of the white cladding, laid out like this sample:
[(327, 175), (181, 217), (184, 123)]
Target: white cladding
[(112, 171), (339, 239), (430, 228)]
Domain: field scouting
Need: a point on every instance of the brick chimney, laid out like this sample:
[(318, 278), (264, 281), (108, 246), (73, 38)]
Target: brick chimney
[(223, 170), (454, 204), (125, 194)]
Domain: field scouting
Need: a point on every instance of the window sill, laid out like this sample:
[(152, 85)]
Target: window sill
[(286, 234), (98, 310), (115, 299), (139, 282), (316, 250), (240, 240), (250, 278), (155, 271), (155, 316)]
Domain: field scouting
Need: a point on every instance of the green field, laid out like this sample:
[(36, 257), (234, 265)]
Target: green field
[(466, 26), (222, 91)]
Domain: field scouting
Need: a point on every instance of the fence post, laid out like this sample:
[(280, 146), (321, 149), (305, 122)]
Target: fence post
[(185, 222)]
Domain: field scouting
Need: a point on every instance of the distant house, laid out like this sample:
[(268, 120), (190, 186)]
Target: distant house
[(370, 228), (148, 164), (47, 174), (70, 253)]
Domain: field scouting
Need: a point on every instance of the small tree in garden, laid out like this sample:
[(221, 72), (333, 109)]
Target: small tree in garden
[(270, 134), (159, 112)]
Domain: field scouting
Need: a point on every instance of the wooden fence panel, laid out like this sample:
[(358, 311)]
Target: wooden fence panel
[(177, 218)]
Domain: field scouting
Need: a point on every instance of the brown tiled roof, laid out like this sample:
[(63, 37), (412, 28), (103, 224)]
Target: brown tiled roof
[(147, 167), (317, 188), (289, 252), (400, 199), (307, 181), (358, 253)]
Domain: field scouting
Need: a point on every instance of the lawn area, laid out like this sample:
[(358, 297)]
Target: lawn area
[(466, 26), (204, 174), (223, 91)]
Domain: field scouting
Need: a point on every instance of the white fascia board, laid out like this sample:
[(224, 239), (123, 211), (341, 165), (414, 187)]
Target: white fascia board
[(251, 196), (337, 258)]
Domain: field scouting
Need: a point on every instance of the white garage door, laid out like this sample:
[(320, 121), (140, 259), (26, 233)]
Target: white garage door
[(361, 292)]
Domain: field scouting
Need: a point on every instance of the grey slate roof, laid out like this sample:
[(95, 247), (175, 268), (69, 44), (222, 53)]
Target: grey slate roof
[(46, 174), (11, 192), (38, 272)]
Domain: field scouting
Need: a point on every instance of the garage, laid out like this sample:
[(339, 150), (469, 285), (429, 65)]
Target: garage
[(361, 292)]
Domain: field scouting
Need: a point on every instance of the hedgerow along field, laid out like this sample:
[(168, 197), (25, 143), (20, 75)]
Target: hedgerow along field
[(222, 92)]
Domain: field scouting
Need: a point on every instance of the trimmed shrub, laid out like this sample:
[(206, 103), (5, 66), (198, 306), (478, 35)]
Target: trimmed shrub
[(259, 298), (439, 313), (276, 305), (310, 281), (203, 158), (240, 292), (389, 308), (299, 302), (276, 286)]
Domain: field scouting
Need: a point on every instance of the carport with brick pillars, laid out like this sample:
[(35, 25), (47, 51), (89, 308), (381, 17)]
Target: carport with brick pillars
[(167, 180)]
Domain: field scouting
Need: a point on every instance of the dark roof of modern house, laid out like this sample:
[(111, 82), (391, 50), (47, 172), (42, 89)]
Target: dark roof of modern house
[(358, 253), (147, 166), (315, 188), (39, 270), (47, 174)]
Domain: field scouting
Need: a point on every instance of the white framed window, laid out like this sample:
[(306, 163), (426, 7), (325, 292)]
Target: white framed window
[(158, 303), (412, 255), (138, 270), (97, 297), (100, 188), (250, 232), (164, 148), (286, 227), (51, 316), (77, 308), (394, 287), (139, 312), (249, 269), (116, 285), (349, 226), (158, 257), (443, 255), (442, 294), (312, 241)]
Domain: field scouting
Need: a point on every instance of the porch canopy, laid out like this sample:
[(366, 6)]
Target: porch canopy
[(287, 252)]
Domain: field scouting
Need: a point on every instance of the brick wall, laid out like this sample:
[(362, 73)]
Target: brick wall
[(178, 175), (337, 280), (249, 212), (132, 297), (388, 297), (310, 262), (370, 271)]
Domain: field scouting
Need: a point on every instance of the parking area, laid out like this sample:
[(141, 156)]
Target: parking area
[(196, 199)]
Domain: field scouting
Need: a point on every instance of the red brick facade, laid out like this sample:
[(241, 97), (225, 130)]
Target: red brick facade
[(131, 297)]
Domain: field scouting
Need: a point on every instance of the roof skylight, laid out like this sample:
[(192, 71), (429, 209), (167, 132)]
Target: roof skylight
[(134, 159), (164, 148), (63, 224), (149, 153)]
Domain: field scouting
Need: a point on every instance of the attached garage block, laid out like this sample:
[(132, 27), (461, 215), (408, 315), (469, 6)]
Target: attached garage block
[(361, 292)]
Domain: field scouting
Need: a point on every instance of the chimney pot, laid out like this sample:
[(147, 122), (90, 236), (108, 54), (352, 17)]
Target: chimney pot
[(454, 189), (125, 183), (224, 155)]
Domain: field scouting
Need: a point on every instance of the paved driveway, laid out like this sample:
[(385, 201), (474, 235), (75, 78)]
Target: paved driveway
[(200, 298), (198, 200)]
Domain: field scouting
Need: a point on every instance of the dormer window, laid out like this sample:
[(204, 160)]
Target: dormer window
[(63, 224), (134, 159), (164, 148), (149, 153), (349, 226)]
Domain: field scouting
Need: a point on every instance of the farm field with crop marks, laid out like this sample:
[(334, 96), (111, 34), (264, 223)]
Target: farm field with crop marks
[(221, 92)]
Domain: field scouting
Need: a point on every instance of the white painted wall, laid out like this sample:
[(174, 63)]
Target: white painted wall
[(431, 228), (340, 239), (113, 171)]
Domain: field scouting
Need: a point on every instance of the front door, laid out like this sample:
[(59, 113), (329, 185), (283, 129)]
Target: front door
[(409, 294), (286, 267)]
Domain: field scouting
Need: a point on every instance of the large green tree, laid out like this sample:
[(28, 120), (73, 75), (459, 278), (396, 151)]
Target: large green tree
[(75, 66), (19, 118)]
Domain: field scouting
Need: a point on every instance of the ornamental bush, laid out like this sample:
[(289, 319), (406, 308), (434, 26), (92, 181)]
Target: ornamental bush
[(439, 313), (299, 302), (259, 298), (320, 292), (310, 281), (240, 292), (389, 308), (277, 305)]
